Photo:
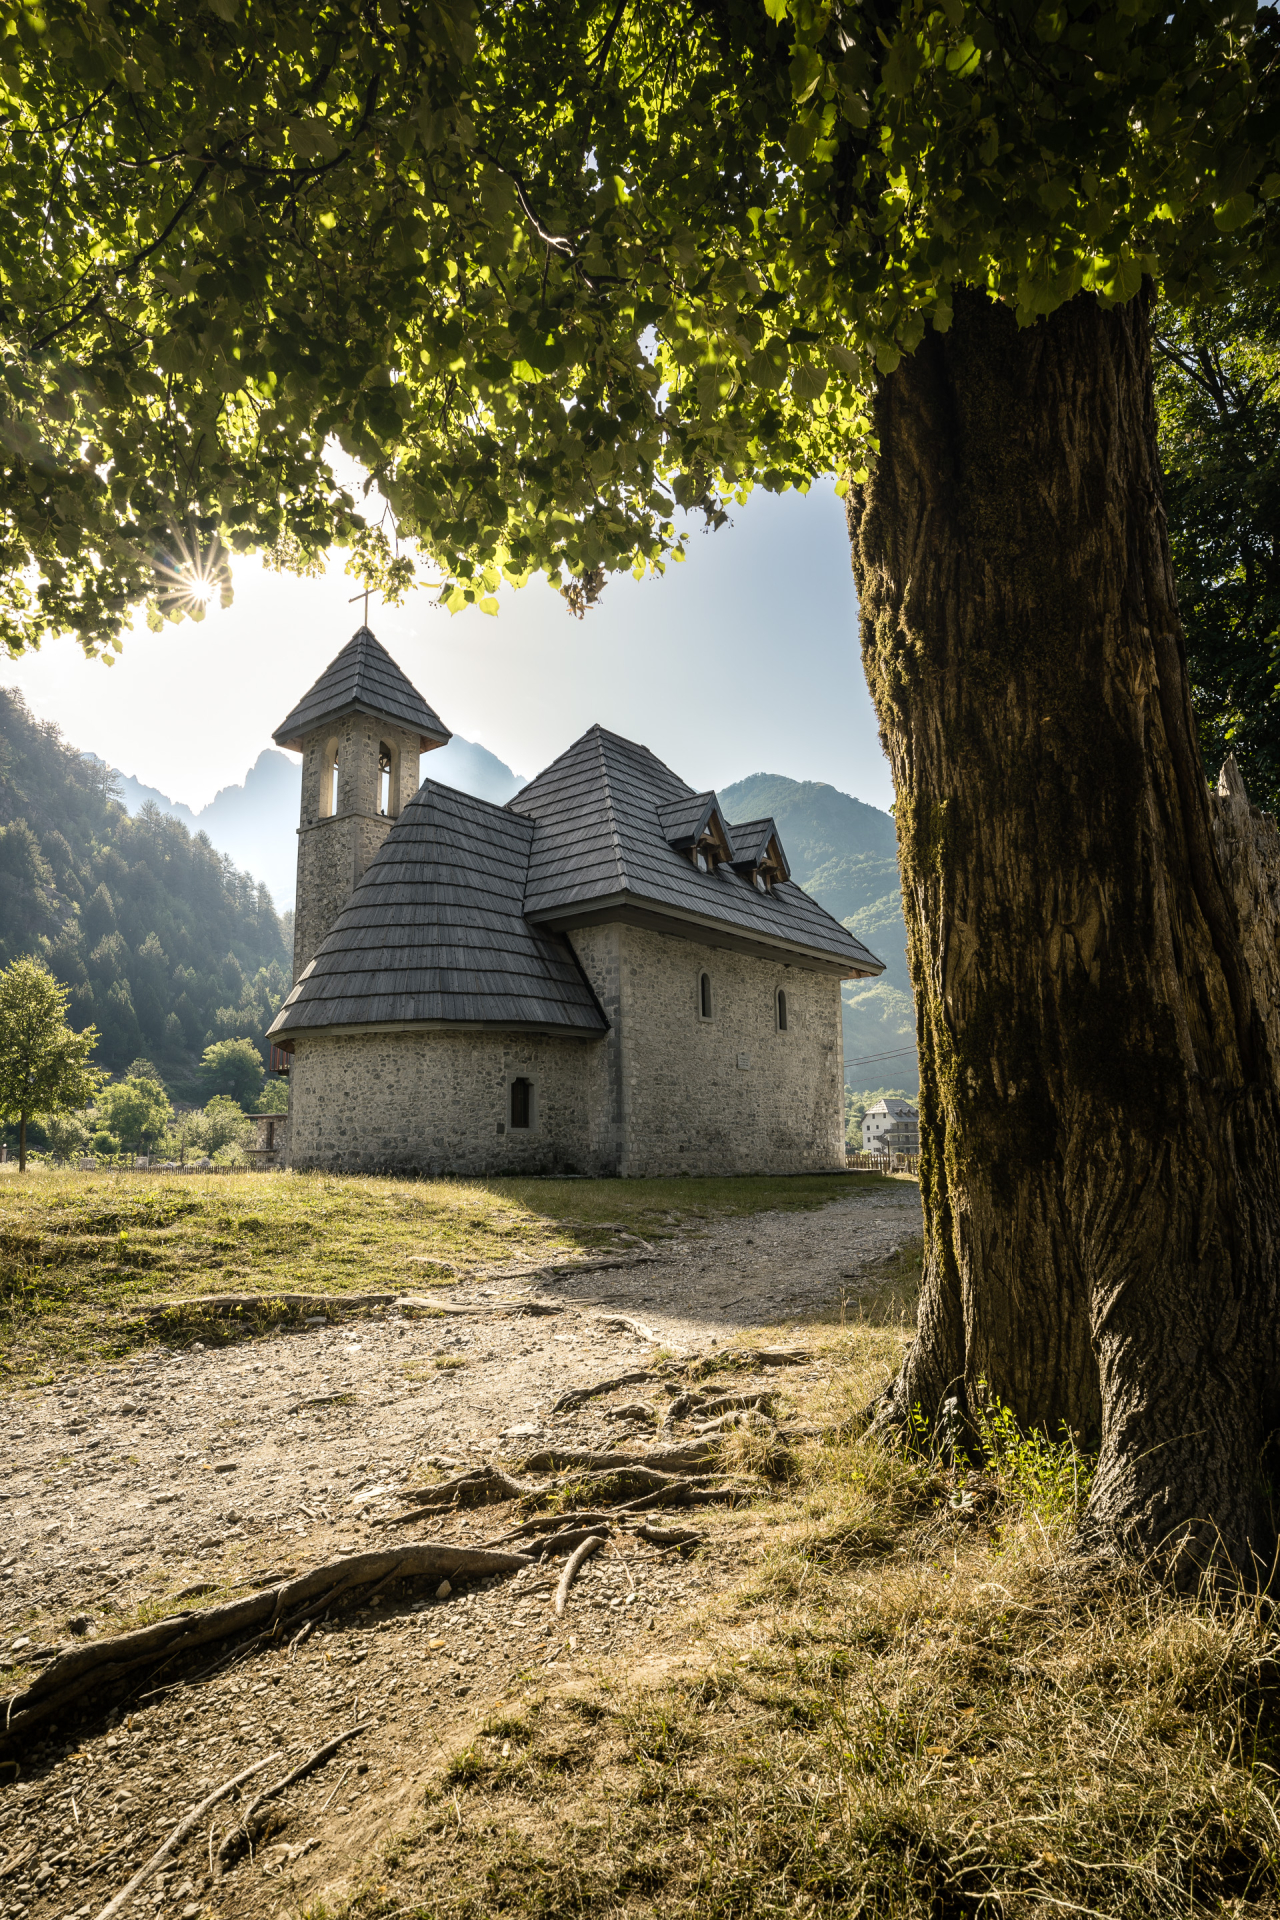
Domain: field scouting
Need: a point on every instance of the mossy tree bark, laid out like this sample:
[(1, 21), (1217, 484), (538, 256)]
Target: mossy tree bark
[(1100, 1126)]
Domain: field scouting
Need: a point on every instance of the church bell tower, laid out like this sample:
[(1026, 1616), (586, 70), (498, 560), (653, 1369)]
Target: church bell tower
[(360, 731)]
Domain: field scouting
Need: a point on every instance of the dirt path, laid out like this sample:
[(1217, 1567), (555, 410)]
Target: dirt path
[(124, 1486)]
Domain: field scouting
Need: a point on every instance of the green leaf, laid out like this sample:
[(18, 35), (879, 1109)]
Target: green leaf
[(800, 138), (1234, 212), (806, 71), (904, 62), (808, 383)]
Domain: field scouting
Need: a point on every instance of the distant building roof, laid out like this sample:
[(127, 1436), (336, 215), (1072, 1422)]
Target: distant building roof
[(435, 932), (605, 812), (362, 679), (896, 1109)]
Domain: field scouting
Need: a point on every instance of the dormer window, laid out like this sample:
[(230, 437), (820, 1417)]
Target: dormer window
[(694, 826), (757, 854)]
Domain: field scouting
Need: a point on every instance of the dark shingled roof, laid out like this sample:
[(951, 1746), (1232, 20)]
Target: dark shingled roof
[(363, 679), (684, 821), (435, 931), (601, 810), (751, 839)]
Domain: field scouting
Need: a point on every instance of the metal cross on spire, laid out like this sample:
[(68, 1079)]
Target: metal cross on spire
[(365, 597)]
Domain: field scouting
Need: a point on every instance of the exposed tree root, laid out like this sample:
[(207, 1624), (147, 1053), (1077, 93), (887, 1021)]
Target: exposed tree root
[(179, 1834), (326, 1303), (592, 1544), (693, 1454), (101, 1664), (669, 1536), (243, 1828), (550, 1523), (578, 1396), (477, 1487)]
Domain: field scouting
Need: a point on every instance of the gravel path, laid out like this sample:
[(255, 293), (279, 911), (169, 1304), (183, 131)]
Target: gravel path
[(129, 1485)]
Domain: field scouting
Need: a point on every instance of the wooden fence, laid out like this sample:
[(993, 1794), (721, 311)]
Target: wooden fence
[(860, 1162)]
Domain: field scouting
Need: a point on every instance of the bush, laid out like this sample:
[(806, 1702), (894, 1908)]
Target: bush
[(275, 1096), (67, 1135)]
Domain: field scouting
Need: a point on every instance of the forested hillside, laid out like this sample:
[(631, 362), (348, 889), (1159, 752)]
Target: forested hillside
[(845, 853), (164, 944)]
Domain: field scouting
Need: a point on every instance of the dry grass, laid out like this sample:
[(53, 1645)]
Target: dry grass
[(80, 1252), (916, 1705)]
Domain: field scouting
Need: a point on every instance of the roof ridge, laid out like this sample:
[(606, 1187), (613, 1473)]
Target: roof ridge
[(609, 810), (494, 806)]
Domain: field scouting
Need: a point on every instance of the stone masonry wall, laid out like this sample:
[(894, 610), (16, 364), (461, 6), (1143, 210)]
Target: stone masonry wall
[(730, 1094), (665, 1092), (433, 1101)]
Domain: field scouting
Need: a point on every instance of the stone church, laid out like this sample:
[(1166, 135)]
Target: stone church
[(605, 976)]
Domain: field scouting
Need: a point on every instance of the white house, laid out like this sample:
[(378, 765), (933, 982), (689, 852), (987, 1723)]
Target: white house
[(891, 1126)]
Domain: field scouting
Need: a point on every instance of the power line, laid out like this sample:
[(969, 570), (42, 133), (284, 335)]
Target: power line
[(865, 1059)]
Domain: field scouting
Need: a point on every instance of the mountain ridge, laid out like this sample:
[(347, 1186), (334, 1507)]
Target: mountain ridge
[(254, 821), (164, 944)]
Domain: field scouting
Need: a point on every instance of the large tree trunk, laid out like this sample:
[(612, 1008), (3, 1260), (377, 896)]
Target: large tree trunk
[(1099, 1114)]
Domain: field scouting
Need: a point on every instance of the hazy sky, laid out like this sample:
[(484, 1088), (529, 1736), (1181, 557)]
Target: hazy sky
[(743, 660)]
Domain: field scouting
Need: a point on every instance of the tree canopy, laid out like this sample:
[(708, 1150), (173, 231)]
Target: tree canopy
[(549, 274), (136, 1109), (1218, 396), (232, 1068)]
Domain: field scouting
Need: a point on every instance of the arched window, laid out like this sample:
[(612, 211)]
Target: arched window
[(782, 1010), (521, 1103), (388, 780), (704, 996), (329, 781)]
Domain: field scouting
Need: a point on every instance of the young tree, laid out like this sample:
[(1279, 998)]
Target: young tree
[(234, 1068), (222, 1123), (66, 1133), (274, 1097), (551, 273), (136, 1109), (44, 1065)]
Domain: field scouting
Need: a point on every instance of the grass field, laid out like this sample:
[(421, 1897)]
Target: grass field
[(916, 1705), (80, 1252)]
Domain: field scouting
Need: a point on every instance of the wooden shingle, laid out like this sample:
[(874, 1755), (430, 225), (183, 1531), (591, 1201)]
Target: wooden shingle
[(435, 932), (362, 679), (606, 811)]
